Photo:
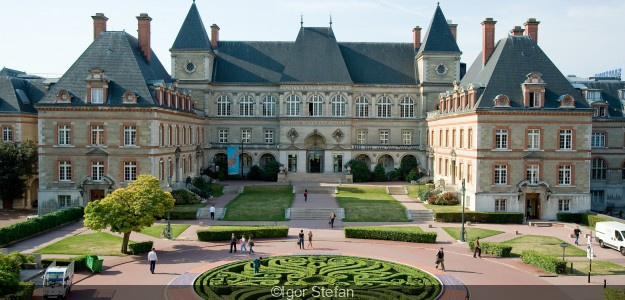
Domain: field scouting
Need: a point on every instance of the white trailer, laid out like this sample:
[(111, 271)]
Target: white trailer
[(57, 281)]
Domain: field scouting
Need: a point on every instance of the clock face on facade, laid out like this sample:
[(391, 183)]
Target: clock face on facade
[(189, 67), (441, 69)]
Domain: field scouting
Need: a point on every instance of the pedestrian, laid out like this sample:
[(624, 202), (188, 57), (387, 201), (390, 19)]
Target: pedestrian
[(300, 240), (233, 243), (212, 210), (152, 259), (256, 264), (440, 259), (332, 217), (251, 243), (478, 249), (243, 244), (577, 232), (310, 235), (305, 195)]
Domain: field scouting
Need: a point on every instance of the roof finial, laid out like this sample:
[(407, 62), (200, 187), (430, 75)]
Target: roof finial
[(193, 1), (437, 3), (330, 20), (301, 20)]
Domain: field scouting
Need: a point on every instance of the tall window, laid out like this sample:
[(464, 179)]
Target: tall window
[(564, 204), (339, 106), (599, 169), (501, 174), (453, 138), (566, 139), (469, 173), (501, 139), (223, 105), (384, 107), (246, 136), (97, 95), (447, 138), (7, 134), (461, 138), (362, 107), (317, 105), (470, 138), (533, 139), (65, 201), (535, 99), (223, 135), (292, 105), (598, 140), (407, 107), (384, 136), (533, 174), (361, 137), (130, 171), (246, 107), (601, 111), (268, 136), (269, 106), (500, 204), (565, 175), (130, 135), (406, 137), (65, 135), (65, 170), (97, 170)]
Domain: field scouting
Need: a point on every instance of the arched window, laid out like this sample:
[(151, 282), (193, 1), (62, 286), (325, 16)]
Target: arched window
[(384, 107), (599, 168), (223, 105), (407, 107), (246, 107), (362, 107), (269, 106), (292, 105), (316, 108), (338, 106)]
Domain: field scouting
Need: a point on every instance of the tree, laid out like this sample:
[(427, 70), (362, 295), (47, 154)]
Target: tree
[(17, 163), (129, 209), (360, 170), (407, 164), (379, 174), (271, 170)]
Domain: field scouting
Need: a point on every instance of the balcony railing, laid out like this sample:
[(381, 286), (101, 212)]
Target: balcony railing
[(387, 147), (245, 146)]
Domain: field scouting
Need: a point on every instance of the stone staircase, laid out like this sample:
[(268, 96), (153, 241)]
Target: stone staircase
[(232, 189), (316, 177), (204, 213), (299, 189), (396, 190), (313, 213), (421, 215)]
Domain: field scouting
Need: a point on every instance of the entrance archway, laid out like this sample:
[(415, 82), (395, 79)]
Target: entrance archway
[(265, 158), (314, 144), (387, 161), (364, 158), (246, 163)]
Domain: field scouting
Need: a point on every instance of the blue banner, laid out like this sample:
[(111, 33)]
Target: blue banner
[(233, 160)]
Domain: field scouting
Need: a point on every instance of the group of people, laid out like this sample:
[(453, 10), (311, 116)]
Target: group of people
[(300, 240), (244, 243)]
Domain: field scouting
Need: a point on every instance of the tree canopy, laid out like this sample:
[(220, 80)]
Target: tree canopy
[(129, 209), (17, 163)]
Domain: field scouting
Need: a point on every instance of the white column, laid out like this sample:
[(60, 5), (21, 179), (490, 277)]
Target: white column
[(302, 161), (328, 161)]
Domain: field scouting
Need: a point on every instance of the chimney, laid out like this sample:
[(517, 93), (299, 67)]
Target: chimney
[(99, 24), (453, 28), (144, 36), (517, 31), (416, 37), (531, 29), (488, 39), (214, 35)]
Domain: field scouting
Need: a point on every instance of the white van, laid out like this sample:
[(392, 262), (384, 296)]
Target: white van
[(611, 234), (57, 281)]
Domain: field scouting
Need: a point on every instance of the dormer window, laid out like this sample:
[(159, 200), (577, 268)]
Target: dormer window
[(97, 95), (602, 112), (535, 99), (97, 86), (566, 101), (129, 98), (63, 97), (593, 95), (534, 90), (502, 101)]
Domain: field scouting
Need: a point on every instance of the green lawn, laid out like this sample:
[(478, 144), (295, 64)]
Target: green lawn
[(543, 244), (598, 268), (413, 190), (187, 207), (99, 243), (156, 230), (370, 204), (260, 203), (446, 208), (217, 189), (472, 233)]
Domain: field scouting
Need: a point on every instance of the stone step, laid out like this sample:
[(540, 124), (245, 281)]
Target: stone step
[(299, 189), (204, 213), (421, 215), (232, 189), (316, 177), (314, 213), (397, 190)]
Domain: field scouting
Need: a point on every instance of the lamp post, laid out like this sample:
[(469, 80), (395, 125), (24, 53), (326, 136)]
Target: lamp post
[(168, 228), (463, 194), (563, 245)]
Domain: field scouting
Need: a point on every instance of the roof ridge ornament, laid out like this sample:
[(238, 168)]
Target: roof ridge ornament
[(301, 20)]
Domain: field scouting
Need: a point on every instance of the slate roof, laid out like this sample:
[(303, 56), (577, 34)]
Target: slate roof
[(438, 38), (513, 58), (18, 95), (609, 93), (192, 34), (117, 53), (380, 63)]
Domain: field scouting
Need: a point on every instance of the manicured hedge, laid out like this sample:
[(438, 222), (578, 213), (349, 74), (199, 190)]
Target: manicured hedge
[(588, 219), (546, 262), (182, 215), (139, 248), (183, 197), (480, 217), (79, 262), (496, 249), (19, 231), (391, 233), (223, 233)]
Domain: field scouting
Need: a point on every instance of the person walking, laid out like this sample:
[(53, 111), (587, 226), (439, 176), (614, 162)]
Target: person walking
[(233, 243), (152, 259), (478, 249), (251, 243), (332, 217), (300, 240), (440, 259), (256, 264), (305, 195), (212, 210), (577, 232), (243, 244), (310, 235)]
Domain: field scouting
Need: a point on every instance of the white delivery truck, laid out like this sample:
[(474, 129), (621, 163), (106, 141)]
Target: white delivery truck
[(57, 281), (611, 234)]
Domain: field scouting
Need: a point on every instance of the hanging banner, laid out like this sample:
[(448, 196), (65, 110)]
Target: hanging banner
[(233, 160)]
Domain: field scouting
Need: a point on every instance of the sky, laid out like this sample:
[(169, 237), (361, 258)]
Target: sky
[(46, 37)]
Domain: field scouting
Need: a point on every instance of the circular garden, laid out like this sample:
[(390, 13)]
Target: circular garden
[(317, 276)]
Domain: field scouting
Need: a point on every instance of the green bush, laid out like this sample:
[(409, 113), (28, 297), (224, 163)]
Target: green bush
[(223, 233), (444, 199), (395, 175), (480, 217), (407, 165), (19, 231), (425, 193), (270, 170), (10, 268), (379, 174), (79, 262), (579, 218), (255, 173), (141, 247), (546, 262), (496, 249), (183, 197), (413, 175), (182, 215), (360, 170), (392, 233)]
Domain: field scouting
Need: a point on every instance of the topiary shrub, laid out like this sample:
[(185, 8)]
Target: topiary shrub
[(413, 175), (183, 197), (379, 174), (546, 262), (255, 173), (496, 249), (444, 199), (392, 233), (270, 170), (407, 165), (223, 233), (480, 217), (359, 170), (141, 247), (181, 215)]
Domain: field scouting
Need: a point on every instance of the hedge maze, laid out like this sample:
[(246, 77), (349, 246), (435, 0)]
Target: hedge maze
[(367, 278)]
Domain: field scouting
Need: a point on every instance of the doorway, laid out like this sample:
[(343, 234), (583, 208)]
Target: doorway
[(96, 195), (315, 161), (532, 208)]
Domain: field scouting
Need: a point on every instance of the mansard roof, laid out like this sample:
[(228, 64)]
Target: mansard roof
[(19, 91), (439, 38), (609, 93), (117, 54), (513, 58), (192, 34)]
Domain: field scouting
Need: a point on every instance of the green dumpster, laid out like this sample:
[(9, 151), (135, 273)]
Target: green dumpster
[(93, 263)]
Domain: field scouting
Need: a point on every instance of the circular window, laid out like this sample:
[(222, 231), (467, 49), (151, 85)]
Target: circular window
[(441, 69), (189, 67)]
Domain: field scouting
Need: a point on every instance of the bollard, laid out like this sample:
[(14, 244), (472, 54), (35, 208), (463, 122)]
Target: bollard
[(571, 267), (516, 232), (605, 283), (588, 277)]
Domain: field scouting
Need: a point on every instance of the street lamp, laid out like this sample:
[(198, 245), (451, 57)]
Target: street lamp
[(463, 194), (167, 233), (563, 245)]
